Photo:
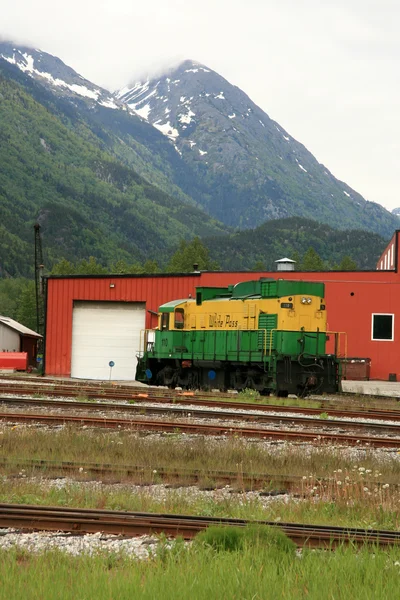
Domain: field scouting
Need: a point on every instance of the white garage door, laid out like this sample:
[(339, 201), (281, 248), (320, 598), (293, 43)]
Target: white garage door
[(103, 332)]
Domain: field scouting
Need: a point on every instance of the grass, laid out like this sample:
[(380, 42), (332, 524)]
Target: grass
[(257, 567), (189, 452), (352, 507)]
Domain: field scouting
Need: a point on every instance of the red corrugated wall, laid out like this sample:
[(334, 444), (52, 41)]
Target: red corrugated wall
[(351, 298), (61, 294)]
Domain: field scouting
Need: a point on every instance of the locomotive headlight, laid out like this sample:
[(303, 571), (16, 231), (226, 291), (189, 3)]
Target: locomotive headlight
[(308, 300), (304, 300)]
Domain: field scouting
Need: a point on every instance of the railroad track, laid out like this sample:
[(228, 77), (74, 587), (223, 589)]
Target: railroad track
[(237, 415), (190, 398), (180, 427), (147, 475), (267, 483), (110, 389), (131, 524)]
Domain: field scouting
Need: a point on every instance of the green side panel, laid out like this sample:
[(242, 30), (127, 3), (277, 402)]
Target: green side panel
[(235, 345), (282, 287), (238, 345), (293, 343), (269, 288), (277, 288), (267, 338), (247, 288), (209, 293)]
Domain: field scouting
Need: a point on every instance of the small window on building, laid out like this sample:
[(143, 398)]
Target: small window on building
[(164, 321), (382, 327), (179, 318)]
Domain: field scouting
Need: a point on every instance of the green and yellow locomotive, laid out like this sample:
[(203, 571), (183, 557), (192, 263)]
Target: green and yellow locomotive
[(269, 335)]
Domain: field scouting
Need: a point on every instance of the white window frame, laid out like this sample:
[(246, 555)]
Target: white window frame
[(372, 327)]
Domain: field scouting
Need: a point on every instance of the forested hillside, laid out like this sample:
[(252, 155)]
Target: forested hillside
[(87, 202), (292, 238)]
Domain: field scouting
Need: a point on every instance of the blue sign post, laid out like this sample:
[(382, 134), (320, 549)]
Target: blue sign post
[(111, 364)]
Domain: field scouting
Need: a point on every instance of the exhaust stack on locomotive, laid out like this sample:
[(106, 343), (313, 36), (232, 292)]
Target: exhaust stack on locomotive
[(269, 335)]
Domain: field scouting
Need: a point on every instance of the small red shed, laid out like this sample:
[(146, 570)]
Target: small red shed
[(16, 338), (94, 323)]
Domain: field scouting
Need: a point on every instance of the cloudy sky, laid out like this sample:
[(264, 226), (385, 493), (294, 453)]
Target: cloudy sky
[(328, 72)]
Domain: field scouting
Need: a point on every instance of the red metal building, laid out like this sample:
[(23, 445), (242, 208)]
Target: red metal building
[(96, 316)]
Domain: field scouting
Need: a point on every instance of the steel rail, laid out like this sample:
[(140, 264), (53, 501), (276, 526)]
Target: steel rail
[(148, 475), (200, 428), (117, 390), (130, 524), (183, 399), (110, 386), (239, 415)]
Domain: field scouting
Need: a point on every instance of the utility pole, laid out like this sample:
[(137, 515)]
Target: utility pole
[(39, 281)]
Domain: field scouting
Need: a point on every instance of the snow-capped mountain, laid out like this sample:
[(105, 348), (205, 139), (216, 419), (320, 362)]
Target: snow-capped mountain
[(51, 71), (201, 140), (251, 168)]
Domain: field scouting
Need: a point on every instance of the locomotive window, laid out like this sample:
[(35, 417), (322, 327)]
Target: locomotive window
[(382, 327), (164, 321), (179, 318)]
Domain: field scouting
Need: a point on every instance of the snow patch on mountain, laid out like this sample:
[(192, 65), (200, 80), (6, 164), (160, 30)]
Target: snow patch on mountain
[(109, 104), (142, 112), (187, 118), (167, 129), (31, 65)]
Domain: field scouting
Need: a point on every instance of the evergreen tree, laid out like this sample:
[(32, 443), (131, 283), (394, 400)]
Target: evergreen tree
[(259, 265), (26, 310), (151, 266), (90, 267), (346, 264), (297, 258), (190, 254), (312, 261), (63, 267)]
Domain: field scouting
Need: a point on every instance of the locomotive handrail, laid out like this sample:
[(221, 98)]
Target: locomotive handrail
[(143, 342), (337, 335)]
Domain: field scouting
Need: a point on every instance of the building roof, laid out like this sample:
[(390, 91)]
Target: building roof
[(285, 260), (18, 327)]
